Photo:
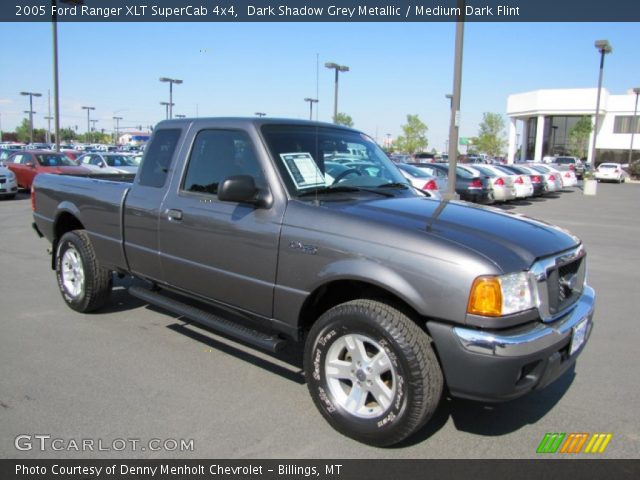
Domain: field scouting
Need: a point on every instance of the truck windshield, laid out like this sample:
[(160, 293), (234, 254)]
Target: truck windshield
[(311, 158)]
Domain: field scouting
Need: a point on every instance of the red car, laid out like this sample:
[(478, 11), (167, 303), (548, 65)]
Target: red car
[(26, 164)]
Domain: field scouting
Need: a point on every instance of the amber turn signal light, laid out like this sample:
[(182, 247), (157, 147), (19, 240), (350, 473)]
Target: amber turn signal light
[(486, 297)]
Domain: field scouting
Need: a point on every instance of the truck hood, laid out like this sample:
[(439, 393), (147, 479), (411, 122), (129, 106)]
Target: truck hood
[(511, 241)]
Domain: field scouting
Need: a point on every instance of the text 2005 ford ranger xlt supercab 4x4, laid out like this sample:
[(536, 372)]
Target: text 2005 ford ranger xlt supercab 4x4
[(304, 231)]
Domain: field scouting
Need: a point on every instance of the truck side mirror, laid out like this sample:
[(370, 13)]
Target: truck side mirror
[(243, 189)]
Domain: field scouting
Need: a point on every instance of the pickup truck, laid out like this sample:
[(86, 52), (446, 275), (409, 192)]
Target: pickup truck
[(235, 224)]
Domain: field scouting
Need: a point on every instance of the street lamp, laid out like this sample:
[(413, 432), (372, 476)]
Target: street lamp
[(171, 81), (337, 68), (634, 124), (311, 102), (603, 47), (180, 116), (117, 120), (167, 105), (88, 109), (260, 114), (454, 98), (31, 112)]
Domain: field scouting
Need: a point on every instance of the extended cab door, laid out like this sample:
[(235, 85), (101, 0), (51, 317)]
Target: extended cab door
[(143, 204), (223, 251)]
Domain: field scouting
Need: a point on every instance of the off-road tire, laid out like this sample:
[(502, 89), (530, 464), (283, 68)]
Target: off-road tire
[(92, 285), (415, 376)]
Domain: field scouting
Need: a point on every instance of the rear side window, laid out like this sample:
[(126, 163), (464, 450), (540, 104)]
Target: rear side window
[(155, 168), (219, 154)]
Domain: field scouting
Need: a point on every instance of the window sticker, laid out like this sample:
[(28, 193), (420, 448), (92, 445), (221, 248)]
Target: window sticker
[(303, 169)]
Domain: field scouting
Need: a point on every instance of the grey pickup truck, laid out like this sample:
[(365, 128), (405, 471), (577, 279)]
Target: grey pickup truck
[(273, 231)]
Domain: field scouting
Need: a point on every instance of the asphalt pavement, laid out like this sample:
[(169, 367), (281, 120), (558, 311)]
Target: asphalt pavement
[(131, 374)]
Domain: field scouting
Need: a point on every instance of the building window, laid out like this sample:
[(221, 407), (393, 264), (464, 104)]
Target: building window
[(625, 123)]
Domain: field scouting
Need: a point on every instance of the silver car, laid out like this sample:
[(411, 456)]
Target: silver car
[(553, 180), (502, 183)]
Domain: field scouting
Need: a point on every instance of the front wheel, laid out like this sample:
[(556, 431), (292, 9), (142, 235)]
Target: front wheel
[(371, 372), (84, 284)]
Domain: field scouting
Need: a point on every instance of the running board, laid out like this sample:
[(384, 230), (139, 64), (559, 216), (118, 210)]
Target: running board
[(271, 343)]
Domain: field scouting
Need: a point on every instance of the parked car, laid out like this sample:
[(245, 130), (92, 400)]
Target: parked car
[(424, 157), (26, 164), (552, 181), (470, 187), (568, 176), (502, 183), (572, 163), (108, 163), (521, 181), (534, 177), (609, 172), (422, 180), (8, 183)]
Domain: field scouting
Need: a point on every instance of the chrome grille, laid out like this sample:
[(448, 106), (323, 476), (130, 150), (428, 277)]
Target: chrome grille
[(560, 280)]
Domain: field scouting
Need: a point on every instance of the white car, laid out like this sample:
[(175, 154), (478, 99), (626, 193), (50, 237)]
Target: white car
[(421, 180), (522, 183), (8, 183), (611, 172), (108, 163)]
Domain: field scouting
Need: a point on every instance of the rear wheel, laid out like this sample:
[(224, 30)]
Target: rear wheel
[(371, 372), (84, 284)]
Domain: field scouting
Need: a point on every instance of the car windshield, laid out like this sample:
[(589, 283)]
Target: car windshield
[(119, 161), (54, 160), (607, 165), (317, 159)]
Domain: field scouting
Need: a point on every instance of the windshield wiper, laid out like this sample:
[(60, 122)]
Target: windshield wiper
[(403, 186), (342, 189)]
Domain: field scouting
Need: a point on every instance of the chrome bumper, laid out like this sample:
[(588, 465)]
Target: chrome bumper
[(518, 343)]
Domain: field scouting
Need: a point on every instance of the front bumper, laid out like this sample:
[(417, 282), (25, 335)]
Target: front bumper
[(506, 364)]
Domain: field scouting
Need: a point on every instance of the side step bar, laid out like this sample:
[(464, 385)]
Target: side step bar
[(271, 343)]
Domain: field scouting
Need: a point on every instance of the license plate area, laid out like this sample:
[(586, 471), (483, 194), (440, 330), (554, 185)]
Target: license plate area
[(578, 335)]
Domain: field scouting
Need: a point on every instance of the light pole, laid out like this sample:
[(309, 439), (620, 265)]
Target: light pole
[(180, 116), (454, 121), (260, 114), (388, 141), (634, 124), (603, 47), (48, 118), (337, 68), (311, 102), (117, 120), (88, 109), (171, 81), (31, 112), (167, 105)]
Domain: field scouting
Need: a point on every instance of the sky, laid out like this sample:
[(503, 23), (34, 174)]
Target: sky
[(237, 69)]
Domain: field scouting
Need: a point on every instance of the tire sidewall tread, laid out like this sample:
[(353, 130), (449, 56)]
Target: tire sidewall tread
[(98, 280), (419, 378)]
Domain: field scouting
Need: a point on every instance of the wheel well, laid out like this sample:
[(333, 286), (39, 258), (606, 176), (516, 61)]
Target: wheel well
[(341, 291), (66, 222)]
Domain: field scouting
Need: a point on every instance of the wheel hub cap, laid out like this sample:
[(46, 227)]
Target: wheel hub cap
[(360, 376)]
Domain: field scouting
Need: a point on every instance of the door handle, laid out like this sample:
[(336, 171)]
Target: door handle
[(173, 214)]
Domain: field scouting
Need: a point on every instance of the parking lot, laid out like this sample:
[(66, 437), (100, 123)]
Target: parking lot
[(134, 372)]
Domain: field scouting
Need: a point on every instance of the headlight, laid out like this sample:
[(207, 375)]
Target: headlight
[(495, 296)]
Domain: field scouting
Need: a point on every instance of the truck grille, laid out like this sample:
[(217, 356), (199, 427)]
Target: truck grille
[(560, 281)]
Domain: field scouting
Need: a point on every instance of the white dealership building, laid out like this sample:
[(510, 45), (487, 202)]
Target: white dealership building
[(547, 117)]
